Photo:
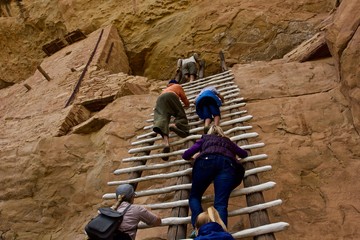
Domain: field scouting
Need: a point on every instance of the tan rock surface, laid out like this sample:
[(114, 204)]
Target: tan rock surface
[(305, 121), (307, 115), (51, 180), (157, 33)]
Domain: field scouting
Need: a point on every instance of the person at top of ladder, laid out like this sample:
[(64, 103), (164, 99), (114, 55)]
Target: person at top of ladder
[(208, 104), (168, 104), (216, 163), (189, 68)]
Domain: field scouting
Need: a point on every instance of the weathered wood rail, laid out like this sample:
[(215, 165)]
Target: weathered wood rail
[(146, 151)]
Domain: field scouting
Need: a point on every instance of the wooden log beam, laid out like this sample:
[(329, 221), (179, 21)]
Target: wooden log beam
[(42, 71), (27, 87), (77, 86), (109, 53), (259, 207), (222, 62), (150, 192), (263, 230), (189, 84), (242, 211), (198, 83), (219, 85), (194, 116), (179, 231), (180, 162), (137, 174), (201, 121), (174, 153), (257, 170), (227, 115), (254, 158), (251, 232), (181, 141), (150, 167), (232, 94), (158, 155), (228, 105), (210, 198), (225, 123), (258, 218), (179, 173), (202, 69), (214, 81), (135, 150), (191, 95)]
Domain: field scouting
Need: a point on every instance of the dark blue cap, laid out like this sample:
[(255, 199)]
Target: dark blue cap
[(173, 81)]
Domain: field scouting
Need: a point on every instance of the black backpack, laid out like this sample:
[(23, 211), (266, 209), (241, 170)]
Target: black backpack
[(105, 225)]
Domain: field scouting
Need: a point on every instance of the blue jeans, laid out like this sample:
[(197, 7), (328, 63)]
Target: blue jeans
[(207, 108), (212, 168)]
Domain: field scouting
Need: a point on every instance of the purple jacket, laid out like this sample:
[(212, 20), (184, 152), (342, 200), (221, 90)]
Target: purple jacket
[(213, 144)]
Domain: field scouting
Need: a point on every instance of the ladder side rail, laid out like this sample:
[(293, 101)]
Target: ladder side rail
[(258, 218), (179, 231)]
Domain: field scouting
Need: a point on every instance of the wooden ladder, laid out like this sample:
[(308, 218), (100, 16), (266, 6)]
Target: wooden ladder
[(147, 148)]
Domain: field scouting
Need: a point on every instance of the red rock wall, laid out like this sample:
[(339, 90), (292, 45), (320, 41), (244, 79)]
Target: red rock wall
[(306, 113)]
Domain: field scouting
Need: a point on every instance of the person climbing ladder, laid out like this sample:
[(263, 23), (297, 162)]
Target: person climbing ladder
[(167, 105), (216, 163), (208, 104), (134, 214), (189, 68)]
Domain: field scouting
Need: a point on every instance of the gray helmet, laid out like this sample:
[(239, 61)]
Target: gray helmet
[(126, 190)]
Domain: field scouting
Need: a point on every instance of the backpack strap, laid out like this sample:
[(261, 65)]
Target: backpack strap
[(123, 214), (125, 210)]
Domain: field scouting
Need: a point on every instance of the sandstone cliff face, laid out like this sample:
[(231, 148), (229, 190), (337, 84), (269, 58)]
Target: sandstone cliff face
[(157, 33), (304, 119), (54, 174)]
